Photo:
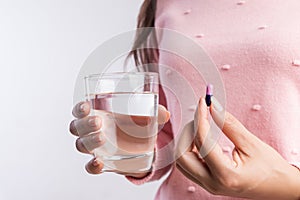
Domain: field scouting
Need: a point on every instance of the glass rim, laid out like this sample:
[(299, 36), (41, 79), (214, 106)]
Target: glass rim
[(119, 75)]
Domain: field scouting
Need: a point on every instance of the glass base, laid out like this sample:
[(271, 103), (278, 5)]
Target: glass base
[(136, 163)]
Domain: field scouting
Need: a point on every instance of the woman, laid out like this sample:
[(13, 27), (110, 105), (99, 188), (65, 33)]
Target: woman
[(256, 46)]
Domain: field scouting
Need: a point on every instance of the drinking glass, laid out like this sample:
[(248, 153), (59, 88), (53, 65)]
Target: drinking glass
[(127, 104)]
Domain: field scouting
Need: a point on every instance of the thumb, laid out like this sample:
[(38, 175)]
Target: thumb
[(163, 115), (230, 126)]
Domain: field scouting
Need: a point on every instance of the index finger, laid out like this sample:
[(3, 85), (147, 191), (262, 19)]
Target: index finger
[(81, 109), (231, 127)]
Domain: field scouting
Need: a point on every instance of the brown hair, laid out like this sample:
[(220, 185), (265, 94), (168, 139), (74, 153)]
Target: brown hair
[(145, 36), (141, 52)]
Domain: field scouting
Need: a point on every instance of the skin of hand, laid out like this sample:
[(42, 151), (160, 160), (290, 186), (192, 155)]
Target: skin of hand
[(255, 171), (87, 129)]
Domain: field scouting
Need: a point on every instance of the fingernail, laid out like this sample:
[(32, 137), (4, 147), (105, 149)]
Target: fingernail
[(93, 121), (216, 104), (82, 107), (96, 162)]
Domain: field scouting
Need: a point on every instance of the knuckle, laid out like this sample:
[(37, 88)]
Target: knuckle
[(81, 109), (230, 120), (231, 182), (99, 140), (94, 123), (229, 123)]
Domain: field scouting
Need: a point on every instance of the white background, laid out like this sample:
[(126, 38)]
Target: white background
[(43, 44)]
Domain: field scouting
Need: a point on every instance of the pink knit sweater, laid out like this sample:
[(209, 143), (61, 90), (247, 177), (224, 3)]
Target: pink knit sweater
[(256, 46)]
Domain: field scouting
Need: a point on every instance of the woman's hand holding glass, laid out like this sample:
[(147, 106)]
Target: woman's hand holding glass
[(87, 129)]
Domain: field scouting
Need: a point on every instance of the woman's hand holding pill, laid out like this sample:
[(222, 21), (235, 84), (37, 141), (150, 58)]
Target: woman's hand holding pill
[(255, 170)]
